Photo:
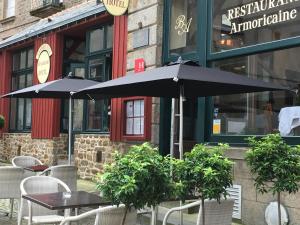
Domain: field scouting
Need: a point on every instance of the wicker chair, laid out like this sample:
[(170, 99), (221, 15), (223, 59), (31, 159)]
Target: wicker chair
[(10, 179), (215, 213), (34, 213), (26, 161), (66, 173), (110, 215)]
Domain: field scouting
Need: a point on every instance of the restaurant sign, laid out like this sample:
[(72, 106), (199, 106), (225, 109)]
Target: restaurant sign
[(263, 12), (43, 64), (116, 7)]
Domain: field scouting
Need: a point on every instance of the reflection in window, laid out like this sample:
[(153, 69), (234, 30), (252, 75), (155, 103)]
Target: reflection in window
[(238, 23), (96, 40), (257, 113), (183, 27)]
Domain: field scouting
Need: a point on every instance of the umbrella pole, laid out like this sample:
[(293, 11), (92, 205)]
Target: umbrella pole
[(181, 136), (70, 130)]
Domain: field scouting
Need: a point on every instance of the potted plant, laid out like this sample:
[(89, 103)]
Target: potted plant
[(204, 172), (2, 121), (275, 166), (137, 179)]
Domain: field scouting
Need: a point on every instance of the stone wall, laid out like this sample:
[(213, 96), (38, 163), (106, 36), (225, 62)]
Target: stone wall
[(91, 151), (253, 203), (146, 14), (47, 150)]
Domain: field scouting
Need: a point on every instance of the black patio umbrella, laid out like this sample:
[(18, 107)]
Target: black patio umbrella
[(179, 81), (61, 88)]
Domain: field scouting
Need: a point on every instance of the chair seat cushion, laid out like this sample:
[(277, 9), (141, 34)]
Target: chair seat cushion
[(46, 219)]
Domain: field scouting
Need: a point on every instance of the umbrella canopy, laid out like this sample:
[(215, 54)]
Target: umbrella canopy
[(166, 82), (61, 88)]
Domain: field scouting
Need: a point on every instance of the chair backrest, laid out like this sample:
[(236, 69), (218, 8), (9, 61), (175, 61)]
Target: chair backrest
[(66, 173), (25, 161), (39, 185), (114, 216), (10, 180), (217, 213)]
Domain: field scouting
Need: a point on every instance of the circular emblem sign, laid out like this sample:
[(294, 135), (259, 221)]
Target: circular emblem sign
[(43, 64), (116, 7)]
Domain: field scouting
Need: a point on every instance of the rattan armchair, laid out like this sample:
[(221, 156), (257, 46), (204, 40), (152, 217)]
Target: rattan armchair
[(26, 161), (10, 180), (215, 213), (34, 213), (110, 215), (66, 173)]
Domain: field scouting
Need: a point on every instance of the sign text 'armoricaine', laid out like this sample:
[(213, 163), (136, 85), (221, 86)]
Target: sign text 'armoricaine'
[(265, 12)]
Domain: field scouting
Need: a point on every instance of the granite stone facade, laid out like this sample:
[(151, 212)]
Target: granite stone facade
[(49, 151), (253, 203), (92, 151)]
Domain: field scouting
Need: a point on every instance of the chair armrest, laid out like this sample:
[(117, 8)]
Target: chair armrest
[(180, 208), (79, 217)]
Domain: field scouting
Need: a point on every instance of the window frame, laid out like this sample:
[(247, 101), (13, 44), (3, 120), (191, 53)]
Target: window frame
[(147, 119), (16, 74)]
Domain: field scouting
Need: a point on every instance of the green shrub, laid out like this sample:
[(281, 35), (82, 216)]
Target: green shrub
[(138, 178), (275, 165), (2, 121)]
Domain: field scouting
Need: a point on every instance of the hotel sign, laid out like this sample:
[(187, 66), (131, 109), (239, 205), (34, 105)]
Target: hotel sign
[(116, 7), (264, 12), (43, 64)]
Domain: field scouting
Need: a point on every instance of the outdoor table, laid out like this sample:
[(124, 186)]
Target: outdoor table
[(37, 168), (57, 200)]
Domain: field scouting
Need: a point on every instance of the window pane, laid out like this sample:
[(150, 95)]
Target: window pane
[(242, 23), (96, 40), (29, 80), (95, 110), (129, 126), (28, 114), (22, 81), (129, 109), (20, 114), (137, 108), (96, 69), (23, 60), (14, 83), (30, 58), (10, 10), (77, 114), (16, 61), (109, 37), (257, 113), (183, 27), (13, 113), (135, 117)]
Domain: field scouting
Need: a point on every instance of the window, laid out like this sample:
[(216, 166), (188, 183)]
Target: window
[(7, 8), (20, 112), (93, 60), (238, 24), (257, 113), (134, 117), (183, 27)]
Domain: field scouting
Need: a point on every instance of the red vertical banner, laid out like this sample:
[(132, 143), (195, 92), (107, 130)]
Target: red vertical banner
[(46, 112), (5, 83), (118, 70)]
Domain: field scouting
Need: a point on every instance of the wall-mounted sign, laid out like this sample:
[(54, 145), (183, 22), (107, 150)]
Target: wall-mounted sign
[(140, 38), (43, 64), (139, 65), (183, 24), (116, 7), (263, 13)]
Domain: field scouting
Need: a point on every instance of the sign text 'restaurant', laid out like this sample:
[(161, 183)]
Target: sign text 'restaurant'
[(259, 7)]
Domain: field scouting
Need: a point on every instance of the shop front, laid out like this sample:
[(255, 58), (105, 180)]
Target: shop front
[(258, 39), (79, 41)]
